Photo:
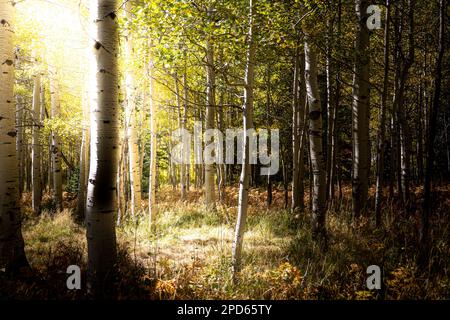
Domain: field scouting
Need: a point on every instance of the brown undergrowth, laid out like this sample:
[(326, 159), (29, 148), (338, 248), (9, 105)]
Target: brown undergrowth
[(185, 253)]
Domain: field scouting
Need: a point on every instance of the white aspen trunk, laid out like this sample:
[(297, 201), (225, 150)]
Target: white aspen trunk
[(181, 126), (246, 169), (56, 147), (41, 120), (330, 109), (121, 205), (337, 97), (298, 128), (131, 123), (295, 132), (315, 144), (101, 206), (19, 142), (360, 112), (185, 104), (153, 146), (36, 147), (210, 112), (12, 255), (221, 166)]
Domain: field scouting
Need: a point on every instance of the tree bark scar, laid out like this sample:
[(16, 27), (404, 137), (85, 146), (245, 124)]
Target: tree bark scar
[(112, 15)]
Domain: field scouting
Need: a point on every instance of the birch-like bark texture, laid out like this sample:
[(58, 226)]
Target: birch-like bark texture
[(330, 106), (360, 112), (101, 206), (56, 147), (315, 143), (210, 112), (246, 168), (182, 166), (36, 147), (19, 142), (295, 132), (12, 255), (131, 123), (185, 115), (44, 165), (298, 128), (153, 147)]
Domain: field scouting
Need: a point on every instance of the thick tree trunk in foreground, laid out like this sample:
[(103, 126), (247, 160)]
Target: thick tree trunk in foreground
[(101, 205), (245, 172), (12, 255), (360, 112), (315, 143)]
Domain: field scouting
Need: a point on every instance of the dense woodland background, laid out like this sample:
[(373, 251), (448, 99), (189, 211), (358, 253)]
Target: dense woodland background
[(91, 91)]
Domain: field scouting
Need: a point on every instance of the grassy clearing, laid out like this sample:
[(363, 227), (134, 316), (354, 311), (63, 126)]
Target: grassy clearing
[(186, 254)]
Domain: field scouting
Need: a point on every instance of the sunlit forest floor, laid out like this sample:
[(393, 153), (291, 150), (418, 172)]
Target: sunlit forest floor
[(187, 253)]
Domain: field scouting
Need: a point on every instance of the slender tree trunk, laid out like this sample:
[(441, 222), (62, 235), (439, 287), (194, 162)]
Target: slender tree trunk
[(131, 123), (44, 166), (404, 136), (185, 115), (210, 111), (20, 143), (28, 151), (330, 109), (153, 146), (182, 166), (56, 147), (334, 136), (427, 203), (104, 147), (247, 125), (221, 166), (382, 121), (296, 134), (268, 125), (285, 180), (299, 98), (360, 112), (84, 163), (12, 254), (36, 147), (315, 139), (420, 166), (121, 203)]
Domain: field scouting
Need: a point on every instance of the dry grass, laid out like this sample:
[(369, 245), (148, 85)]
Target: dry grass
[(186, 253)]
